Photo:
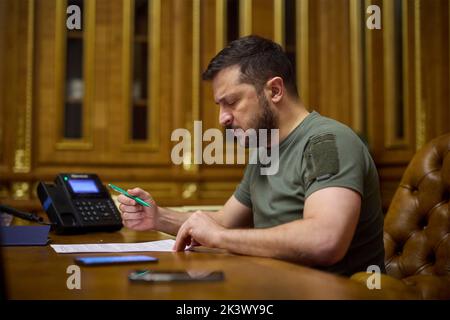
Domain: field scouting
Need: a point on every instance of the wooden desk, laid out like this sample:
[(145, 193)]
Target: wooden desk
[(40, 273)]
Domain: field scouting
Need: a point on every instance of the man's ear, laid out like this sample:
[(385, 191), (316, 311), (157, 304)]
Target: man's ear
[(275, 87)]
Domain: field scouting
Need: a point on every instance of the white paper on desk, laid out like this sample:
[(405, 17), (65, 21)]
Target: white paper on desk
[(161, 245)]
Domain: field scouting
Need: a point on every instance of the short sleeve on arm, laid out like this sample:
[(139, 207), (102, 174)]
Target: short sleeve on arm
[(242, 193), (333, 160)]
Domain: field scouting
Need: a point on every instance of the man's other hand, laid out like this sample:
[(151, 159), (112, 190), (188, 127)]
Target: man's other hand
[(199, 229)]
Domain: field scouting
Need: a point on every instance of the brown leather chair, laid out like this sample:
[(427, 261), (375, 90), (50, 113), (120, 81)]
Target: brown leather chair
[(417, 226)]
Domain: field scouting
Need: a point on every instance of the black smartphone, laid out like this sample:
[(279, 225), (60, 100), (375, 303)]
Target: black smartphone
[(168, 276), (102, 260)]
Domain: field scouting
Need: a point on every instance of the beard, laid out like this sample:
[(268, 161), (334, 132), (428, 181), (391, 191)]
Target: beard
[(266, 119)]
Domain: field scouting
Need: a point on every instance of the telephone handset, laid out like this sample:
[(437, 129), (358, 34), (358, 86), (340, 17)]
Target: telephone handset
[(79, 203)]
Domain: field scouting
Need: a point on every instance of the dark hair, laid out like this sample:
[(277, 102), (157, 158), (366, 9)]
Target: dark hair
[(259, 60)]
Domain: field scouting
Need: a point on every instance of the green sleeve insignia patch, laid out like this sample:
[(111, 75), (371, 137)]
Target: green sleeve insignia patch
[(322, 159)]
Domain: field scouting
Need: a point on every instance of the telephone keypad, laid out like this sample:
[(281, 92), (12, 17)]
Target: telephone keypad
[(92, 212)]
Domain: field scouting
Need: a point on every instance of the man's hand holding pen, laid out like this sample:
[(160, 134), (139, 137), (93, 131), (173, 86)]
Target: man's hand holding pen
[(136, 216)]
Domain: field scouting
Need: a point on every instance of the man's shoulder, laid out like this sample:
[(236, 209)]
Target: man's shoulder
[(321, 125)]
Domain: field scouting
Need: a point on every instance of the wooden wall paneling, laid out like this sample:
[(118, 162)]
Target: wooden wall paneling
[(123, 130), (166, 74), (190, 190), (220, 27), (53, 148), (115, 66), (375, 41), (165, 193), (409, 74), (209, 48), (182, 72), (263, 21), (278, 21), (125, 173), (118, 64), (106, 72), (396, 77), (434, 35), (151, 150), (245, 17), (18, 72), (374, 87), (4, 90), (75, 148), (424, 92), (390, 177), (104, 117), (312, 79), (3, 24), (329, 42), (393, 158), (420, 116), (161, 72), (409, 78), (302, 50), (211, 14), (45, 53), (196, 60), (221, 18), (23, 29), (390, 108), (357, 67)]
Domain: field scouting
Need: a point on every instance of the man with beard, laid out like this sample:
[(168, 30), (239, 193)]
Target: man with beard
[(322, 208)]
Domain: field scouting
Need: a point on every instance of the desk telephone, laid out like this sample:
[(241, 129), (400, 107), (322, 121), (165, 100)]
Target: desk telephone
[(78, 203)]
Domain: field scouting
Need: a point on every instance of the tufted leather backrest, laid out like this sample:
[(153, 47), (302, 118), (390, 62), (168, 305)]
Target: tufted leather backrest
[(417, 225)]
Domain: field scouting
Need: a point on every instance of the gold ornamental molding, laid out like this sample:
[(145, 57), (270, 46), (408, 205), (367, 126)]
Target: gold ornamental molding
[(302, 49), (189, 190), (20, 190), (356, 61), (22, 155), (390, 73), (196, 25), (196, 60), (189, 157), (221, 24), (127, 62), (221, 27), (155, 65), (279, 18), (369, 77), (245, 17)]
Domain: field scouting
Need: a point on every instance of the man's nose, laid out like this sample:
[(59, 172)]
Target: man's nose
[(225, 118)]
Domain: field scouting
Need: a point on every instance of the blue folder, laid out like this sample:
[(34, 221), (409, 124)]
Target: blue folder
[(24, 235)]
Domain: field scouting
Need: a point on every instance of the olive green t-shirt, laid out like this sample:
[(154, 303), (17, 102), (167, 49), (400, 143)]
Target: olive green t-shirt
[(319, 153)]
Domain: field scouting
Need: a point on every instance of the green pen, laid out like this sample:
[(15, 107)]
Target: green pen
[(120, 190)]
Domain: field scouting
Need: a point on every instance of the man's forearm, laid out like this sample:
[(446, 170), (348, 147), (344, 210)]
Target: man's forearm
[(252, 242), (169, 221), (281, 242)]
